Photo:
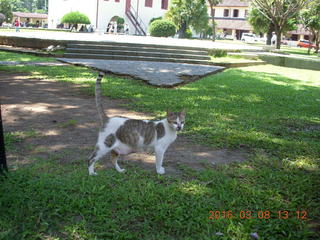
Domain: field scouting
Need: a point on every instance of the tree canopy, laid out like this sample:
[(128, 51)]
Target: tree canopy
[(6, 10), (262, 24), (310, 18), (75, 18), (279, 12), (186, 13), (39, 6)]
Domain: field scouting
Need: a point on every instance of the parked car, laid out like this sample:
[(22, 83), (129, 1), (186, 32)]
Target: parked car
[(305, 44), (249, 37), (228, 37)]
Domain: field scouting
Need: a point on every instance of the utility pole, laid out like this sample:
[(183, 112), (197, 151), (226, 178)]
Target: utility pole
[(3, 160)]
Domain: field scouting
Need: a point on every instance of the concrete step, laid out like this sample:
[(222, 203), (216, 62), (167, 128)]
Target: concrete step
[(141, 48), (157, 54), (135, 58), (139, 45)]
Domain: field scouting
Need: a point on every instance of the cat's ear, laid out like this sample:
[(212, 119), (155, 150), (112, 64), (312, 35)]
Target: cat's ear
[(183, 112), (169, 113)]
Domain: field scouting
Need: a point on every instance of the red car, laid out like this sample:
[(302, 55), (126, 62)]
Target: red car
[(305, 44)]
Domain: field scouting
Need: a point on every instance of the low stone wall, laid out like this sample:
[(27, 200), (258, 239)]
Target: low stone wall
[(286, 61), (31, 42)]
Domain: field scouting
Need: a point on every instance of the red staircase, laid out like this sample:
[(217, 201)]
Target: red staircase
[(136, 20)]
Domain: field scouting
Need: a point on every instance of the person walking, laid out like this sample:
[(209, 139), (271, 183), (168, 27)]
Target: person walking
[(108, 28), (115, 27), (17, 25), (111, 27), (126, 29)]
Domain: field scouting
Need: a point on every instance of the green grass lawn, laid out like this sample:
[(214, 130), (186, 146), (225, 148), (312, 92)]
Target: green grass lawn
[(299, 51), (272, 112), (10, 56), (233, 59)]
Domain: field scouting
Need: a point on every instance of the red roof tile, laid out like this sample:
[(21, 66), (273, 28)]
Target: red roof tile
[(233, 24), (29, 15), (234, 3)]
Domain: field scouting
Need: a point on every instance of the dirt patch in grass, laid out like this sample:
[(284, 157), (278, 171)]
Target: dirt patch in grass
[(65, 125)]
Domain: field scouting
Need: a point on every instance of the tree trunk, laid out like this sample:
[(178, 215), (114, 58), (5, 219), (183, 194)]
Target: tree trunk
[(213, 30), (317, 43), (278, 33), (311, 39), (213, 25), (269, 34), (182, 30)]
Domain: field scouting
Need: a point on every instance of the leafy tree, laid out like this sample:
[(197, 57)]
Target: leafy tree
[(186, 13), (29, 6), (212, 4), (6, 10), (311, 20), (261, 24), (279, 12), (75, 18)]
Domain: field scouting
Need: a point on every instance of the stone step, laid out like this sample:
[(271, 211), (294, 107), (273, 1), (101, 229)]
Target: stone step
[(158, 54), (139, 45), (135, 58), (141, 48)]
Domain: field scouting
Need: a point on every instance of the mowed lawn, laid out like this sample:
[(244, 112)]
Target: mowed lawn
[(271, 112)]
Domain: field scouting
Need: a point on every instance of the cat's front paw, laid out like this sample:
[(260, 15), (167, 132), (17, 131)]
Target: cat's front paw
[(161, 170), (93, 173)]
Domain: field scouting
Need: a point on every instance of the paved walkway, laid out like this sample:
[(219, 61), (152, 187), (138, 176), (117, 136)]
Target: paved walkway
[(100, 37), (154, 73)]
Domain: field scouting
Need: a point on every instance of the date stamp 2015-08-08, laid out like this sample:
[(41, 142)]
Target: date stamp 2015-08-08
[(263, 214)]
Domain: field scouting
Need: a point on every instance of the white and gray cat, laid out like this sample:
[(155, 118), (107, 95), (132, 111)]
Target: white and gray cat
[(122, 136)]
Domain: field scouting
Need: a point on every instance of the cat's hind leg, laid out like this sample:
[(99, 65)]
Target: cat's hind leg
[(97, 154), (114, 158)]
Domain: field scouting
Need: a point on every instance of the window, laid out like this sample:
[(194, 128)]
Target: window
[(226, 13), (117, 0), (148, 3), (235, 13), (246, 13), (164, 4)]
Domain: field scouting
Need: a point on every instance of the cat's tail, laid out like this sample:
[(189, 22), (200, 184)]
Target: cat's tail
[(103, 117)]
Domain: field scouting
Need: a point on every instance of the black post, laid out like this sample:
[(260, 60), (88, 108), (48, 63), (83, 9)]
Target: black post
[(3, 160)]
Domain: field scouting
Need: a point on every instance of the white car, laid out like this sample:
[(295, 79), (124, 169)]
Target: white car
[(249, 37)]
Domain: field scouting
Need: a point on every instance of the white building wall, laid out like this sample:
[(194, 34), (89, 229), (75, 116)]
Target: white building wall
[(107, 9), (147, 13)]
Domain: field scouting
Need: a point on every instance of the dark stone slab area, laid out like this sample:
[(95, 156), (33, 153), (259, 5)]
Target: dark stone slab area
[(161, 74)]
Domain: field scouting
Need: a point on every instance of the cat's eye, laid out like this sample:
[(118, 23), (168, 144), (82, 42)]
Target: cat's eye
[(175, 123), (182, 122)]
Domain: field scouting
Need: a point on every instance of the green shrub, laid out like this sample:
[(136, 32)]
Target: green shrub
[(218, 52), (75, 18), (162, 28), (188, 34), (120, 21), (155, 19)]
